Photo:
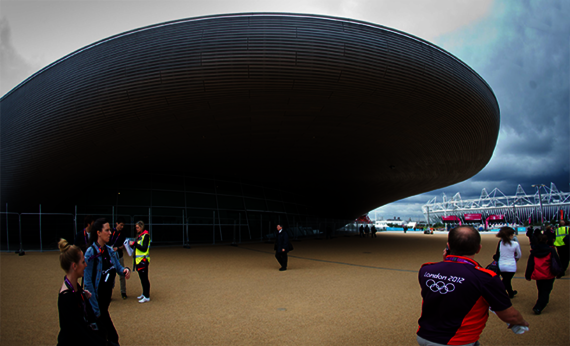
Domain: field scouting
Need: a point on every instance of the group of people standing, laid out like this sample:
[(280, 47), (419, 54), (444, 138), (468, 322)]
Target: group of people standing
[(364, 231), (97, 257)]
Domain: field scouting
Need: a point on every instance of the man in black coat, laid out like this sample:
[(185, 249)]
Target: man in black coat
[(282, 247)]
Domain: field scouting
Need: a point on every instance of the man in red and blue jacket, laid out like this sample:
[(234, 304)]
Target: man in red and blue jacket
[(458, 292)]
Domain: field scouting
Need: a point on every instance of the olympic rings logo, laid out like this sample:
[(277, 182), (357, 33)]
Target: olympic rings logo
[(440, 286)]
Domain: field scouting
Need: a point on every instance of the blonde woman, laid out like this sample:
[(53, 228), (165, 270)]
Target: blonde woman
[(75, 314)]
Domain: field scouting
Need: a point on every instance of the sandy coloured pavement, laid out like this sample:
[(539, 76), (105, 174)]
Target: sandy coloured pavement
[(344, 291)]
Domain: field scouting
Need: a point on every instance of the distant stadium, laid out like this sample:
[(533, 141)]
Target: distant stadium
[(547, 204)]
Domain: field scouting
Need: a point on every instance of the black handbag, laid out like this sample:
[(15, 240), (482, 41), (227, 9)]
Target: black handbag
[(497, 254), (494, 266)]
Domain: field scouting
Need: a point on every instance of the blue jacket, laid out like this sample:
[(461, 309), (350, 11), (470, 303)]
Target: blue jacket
[(88, 273)]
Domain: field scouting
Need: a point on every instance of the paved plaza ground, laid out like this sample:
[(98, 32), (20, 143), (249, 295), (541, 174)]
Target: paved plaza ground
[(342, 291)]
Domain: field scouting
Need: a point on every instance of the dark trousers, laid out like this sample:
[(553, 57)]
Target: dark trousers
[(106, 326), (564, 254), (122, 277), (281, 258), (143, 275), (507, 277), (544, 289)]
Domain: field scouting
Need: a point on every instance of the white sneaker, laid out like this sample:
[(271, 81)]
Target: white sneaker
[(144, 300), (141, 296)]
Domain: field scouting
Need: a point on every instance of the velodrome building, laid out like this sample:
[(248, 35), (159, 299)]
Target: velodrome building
[(217, 128)]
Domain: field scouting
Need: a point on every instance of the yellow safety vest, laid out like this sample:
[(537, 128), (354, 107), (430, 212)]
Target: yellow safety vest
[(561, 232), (139, 255)]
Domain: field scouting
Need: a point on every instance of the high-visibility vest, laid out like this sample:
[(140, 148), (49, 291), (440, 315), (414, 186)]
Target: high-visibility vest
[(139, 255), (561, 232)]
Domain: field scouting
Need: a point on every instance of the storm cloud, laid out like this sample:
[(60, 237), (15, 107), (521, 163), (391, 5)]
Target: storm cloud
[(13, 66), (522, 49)]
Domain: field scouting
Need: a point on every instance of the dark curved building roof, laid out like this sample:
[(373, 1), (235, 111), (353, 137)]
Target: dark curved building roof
[(350, 114)]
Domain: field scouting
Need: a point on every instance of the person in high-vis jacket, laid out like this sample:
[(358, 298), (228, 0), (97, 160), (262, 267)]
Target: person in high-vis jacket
[(142, 259), (562, 244)]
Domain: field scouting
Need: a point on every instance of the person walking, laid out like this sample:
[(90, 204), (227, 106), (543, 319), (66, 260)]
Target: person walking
[(361, 231), (282, 247), (142, 259), (457, 294), (543, 266), (562, 244), (102, 267), (117, 240), (76, 318), (510, 253)]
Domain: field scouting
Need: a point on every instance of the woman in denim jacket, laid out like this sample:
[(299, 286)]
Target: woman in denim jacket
[(102, 266)]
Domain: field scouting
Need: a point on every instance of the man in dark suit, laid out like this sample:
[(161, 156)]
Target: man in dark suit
[(282, 247)]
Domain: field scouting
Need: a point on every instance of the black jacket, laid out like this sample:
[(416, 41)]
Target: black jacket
[(282, 242)]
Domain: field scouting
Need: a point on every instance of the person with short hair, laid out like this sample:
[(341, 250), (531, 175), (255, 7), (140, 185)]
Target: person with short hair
[(142, 259), (510, 253), (562, 243), (82, 238), (458, 292), (282, 247), (102, 266), (76, 318), (117, 240)]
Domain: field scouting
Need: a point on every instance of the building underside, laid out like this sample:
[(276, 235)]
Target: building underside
[(261, 114)]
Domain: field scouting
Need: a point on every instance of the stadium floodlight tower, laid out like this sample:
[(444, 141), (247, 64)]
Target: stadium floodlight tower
[(538, 186)]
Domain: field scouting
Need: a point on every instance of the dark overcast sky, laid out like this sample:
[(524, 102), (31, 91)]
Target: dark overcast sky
[(521, 48)]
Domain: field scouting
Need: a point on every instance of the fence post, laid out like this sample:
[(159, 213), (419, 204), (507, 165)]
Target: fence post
[(234, 233), (41, 247), (20, 231), (220, 225), (7, 233)]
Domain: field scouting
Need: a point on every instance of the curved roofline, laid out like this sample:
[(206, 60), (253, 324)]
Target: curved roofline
[(249, 14)]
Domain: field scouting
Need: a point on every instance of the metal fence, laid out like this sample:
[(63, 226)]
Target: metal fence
[(42, 230)]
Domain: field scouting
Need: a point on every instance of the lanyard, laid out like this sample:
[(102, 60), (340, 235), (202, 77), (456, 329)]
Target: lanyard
[(460, 260), (114, 236), (82, 303)]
